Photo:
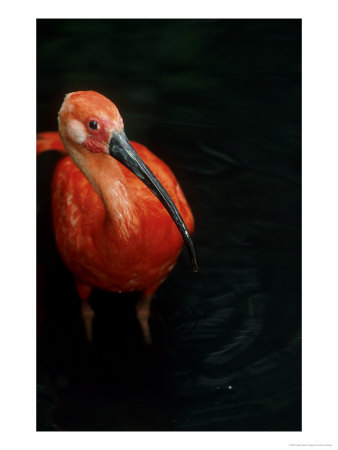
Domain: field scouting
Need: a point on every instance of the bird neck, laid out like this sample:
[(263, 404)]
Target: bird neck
[(104, 173)]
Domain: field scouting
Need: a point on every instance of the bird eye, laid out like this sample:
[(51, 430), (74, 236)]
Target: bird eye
[(93, 125)]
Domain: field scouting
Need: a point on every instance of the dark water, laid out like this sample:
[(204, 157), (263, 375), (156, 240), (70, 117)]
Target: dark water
[(220, 102)]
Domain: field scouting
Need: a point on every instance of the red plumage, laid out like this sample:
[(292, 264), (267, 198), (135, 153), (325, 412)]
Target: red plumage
[(117, 237)]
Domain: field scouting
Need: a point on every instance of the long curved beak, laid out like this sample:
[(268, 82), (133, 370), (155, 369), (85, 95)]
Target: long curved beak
[(121, 149)]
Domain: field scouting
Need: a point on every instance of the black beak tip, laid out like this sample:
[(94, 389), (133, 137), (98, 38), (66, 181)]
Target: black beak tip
[(195, 265), (193, 255)]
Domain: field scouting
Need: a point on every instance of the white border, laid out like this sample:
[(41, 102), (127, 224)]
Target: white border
[(320, 100)]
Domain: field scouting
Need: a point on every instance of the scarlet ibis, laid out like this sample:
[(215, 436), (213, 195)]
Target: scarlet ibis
[(119, 215)]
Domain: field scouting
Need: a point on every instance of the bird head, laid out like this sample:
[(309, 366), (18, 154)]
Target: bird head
[(88, 121)]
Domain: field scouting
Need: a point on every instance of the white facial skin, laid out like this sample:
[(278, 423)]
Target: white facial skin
[(77, 131)]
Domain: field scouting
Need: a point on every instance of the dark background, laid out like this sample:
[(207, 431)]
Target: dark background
[(220, 102)]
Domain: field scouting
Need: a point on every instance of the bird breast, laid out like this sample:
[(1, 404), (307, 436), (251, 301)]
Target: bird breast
[(120, 242)]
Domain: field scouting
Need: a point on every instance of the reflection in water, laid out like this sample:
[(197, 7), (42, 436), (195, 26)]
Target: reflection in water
[(219, 101)]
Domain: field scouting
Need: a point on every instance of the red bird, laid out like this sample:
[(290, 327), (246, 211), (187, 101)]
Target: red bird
[(119, 215)]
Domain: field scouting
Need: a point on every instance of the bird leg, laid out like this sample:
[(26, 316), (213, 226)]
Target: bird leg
[(87, 312), (143, 313)]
